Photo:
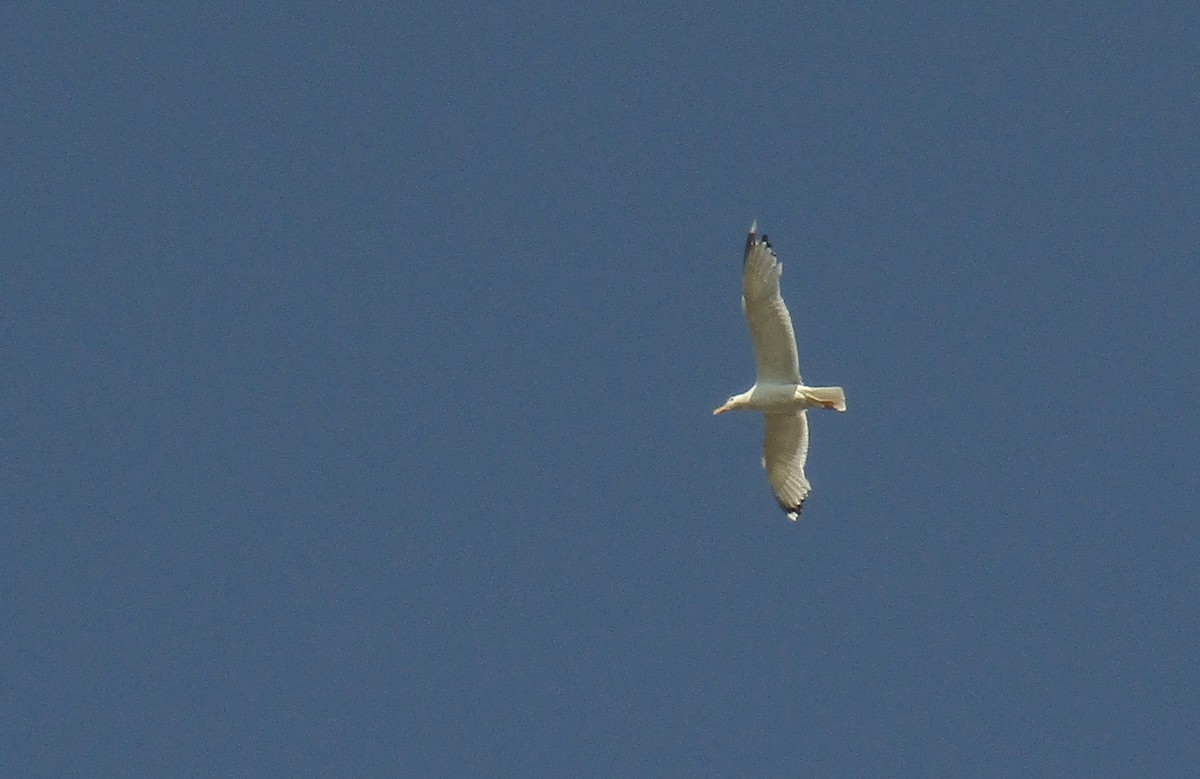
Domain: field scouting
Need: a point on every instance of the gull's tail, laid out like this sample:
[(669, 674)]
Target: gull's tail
[(829, 397)]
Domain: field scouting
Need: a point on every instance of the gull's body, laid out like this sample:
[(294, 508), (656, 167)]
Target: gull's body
[(778, 391)]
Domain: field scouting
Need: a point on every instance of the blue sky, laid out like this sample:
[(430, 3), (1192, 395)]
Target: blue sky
[(359, 364)]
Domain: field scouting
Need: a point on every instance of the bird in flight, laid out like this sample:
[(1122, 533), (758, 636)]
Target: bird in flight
[(778, 391)]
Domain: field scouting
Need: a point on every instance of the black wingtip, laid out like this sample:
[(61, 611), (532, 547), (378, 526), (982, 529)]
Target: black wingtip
[(793, 512), (753, 239)]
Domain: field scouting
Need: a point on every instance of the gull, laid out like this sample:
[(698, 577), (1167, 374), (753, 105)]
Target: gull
[(778, 391)]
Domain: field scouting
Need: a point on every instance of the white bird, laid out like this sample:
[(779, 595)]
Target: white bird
[(778, 391)]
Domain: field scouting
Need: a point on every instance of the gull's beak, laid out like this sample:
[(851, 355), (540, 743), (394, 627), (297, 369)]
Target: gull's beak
[(720, 410)]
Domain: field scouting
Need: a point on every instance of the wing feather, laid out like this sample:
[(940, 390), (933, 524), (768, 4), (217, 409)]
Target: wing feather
[(775, 358), (785, 448)]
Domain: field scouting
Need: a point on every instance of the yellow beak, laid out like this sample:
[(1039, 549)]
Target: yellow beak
[(720, 410)]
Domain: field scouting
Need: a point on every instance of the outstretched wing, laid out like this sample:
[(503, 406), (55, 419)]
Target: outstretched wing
[(775, 357), (785, 448)]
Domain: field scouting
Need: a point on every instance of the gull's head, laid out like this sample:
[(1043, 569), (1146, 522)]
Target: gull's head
[(729, 405), (737, 401)]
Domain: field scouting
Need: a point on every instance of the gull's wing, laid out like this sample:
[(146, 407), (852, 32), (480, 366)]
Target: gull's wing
[(775, 358), (785, 448)]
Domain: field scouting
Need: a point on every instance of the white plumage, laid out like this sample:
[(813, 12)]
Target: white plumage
[(778, 391)]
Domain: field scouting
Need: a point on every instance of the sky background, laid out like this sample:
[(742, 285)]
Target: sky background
[(359, 360)]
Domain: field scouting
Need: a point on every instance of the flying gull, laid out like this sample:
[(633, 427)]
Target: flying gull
[(778, 391)]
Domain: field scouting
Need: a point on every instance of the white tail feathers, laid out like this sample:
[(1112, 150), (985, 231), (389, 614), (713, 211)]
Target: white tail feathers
[(829, 397)]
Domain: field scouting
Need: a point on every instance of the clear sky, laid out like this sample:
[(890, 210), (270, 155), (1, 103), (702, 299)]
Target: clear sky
[(358, 368)]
